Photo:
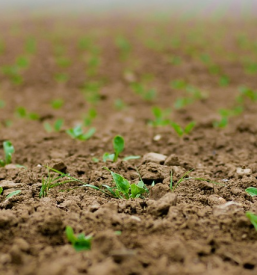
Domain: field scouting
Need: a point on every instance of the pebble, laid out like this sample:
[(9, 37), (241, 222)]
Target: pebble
[(241, 171), (154, 157)]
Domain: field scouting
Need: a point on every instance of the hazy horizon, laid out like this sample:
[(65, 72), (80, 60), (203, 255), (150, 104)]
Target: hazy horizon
[(201, 7)]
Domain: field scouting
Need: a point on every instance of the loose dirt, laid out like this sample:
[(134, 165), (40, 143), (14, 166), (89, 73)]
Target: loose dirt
[(201, 227)]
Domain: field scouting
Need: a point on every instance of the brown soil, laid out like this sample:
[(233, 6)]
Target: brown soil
[(201, 228)]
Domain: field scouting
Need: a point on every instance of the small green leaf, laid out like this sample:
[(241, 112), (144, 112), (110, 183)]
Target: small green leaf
[(1, 190), (131, 157), (251, 191), (89, 134), (48, 127), (8, 150), (70, 234), (14, 193), (107, 156), (121, 183), (253, 218), (118, 146), (58, 125), (177, 128), (189, 127)]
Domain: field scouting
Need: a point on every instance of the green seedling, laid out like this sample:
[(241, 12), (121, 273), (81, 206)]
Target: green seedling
[(63, 62), (118, 147), (252, 191), (57, 103), (174, 60), (94, 159), (251, 68), (160, 117), (79, 242), (123, 189), (214, 69), (30, 45), (91, 90), (119, 104), (84, 43), (1, 190), (224, 80), (2, 104), (183, 131), (21, 112), (253, 218), (222, 123), (90, 116), (51, 181), (56, 126), (184, 178), (14, 193), (146, 94), (246, 92), (77, 133), (195, 93), (8, 151), (61, 77), (182, 102), (22, 62), (178, 84)]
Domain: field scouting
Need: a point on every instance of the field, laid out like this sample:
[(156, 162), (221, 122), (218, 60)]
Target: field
[(84, 103)]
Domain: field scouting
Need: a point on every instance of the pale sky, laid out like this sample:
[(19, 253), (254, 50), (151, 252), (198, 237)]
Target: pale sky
[(230, 6)]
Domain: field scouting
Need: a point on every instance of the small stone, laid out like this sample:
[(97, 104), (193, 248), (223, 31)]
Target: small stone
[(172, 160), (60, 166), (11, 166), (215, 200), (135, 218), (204, 185), (224, 208), (161, 207), (154, 157), (157, 137), (241, 171)]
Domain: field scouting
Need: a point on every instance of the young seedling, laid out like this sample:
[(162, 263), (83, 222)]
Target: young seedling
[(160, 117), (56, 126), (61, 77), (21, 112), (79, 242), (253, 218), (183, 178), (2, 104), (8, 151), (124, 189), (178, 84), (118, 147), (224, 80), (222, 123), (77, 133), (180, 131), (252, 191), (182, 102), (246, 92), (14, 193), (145, 93), (51, 181), (90, 116), (119, 104), (57, 103)]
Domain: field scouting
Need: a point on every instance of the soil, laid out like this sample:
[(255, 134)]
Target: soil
[(201, 227)]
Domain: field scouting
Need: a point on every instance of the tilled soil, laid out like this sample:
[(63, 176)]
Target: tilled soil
[(201, 227)]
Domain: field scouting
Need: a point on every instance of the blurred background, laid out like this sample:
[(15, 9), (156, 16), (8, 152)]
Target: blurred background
[(205, 8)]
